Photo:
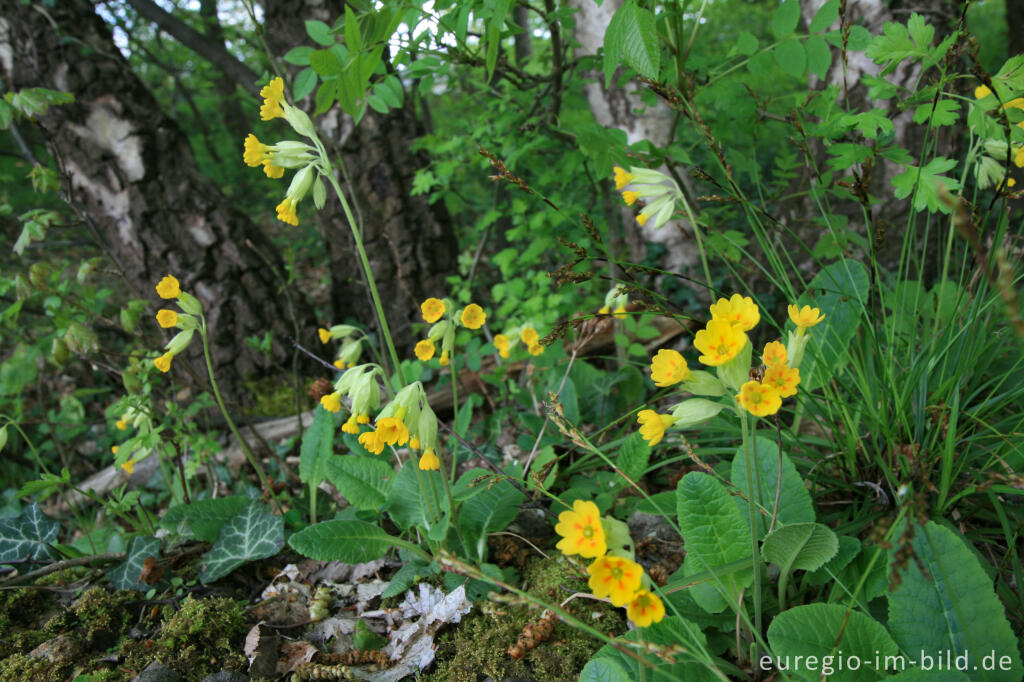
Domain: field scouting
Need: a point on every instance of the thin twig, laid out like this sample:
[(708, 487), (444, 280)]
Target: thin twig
[(59, 566)]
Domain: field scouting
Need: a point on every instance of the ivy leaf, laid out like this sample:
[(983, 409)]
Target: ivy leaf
[(252, 534), (926, 182), (128, 574), (28, 536), (204, 517)]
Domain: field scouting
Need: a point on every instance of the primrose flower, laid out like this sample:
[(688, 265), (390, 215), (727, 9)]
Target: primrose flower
[(473, 316), (622, 178), (739, 310), (654, 425), (501, 344), (646, 608), (529, 336), (536, 349), (424, 349), (168, 287), (805, 317), (774, 354), (128, 466), (114, 449), (393, 431), (429, 461), (163, 363), (372, 442), (759, 399), (783, 379), (166, 318), (719, 342), (615, 577), (272, 94), (122, 424), (331, 401), (581, 530), (432, 309), (668, 368)]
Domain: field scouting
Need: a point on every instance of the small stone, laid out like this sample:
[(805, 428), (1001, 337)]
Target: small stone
[(158, 672), (60, 649), (226, 676)]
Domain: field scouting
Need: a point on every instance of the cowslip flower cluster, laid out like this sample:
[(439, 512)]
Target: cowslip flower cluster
[(724, 345), (615, 302), (658, 192), (407, 419), (443, 317), (187, 320), (990, 167), (616, 578), (287, 154), (528, 336), (134, 418), (351, 338)]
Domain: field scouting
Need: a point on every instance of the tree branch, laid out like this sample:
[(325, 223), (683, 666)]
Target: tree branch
[(209, 50)]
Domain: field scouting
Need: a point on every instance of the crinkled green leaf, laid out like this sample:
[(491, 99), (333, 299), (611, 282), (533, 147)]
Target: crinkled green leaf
[(631, 38), (800, 546), (490, 511), (317, 447), (364, 481), (252, 534), (794, 501), (634, 455), (352, 542)]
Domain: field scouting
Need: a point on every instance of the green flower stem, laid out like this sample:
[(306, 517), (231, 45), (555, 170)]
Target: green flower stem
[(755, 549), (264, 481), (371, 282), (455, 412)]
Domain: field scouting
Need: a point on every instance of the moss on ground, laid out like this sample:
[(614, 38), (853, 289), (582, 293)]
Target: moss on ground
[(479, 644)]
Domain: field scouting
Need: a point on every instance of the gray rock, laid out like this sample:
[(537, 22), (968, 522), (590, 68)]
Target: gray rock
[(158, 672), (226, 676)]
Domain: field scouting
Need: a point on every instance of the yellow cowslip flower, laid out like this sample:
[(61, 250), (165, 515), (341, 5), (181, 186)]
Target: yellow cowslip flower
[(114, 449), (255, 152), (981, 92), (273, 172), (615, 577), (372, 442), (272, 94), (646, 608), (501, 344), (129, 466), (122, 424), (331, 401), (166, 318), (668, 368), (783, 379), (1018, 158), (759, 399), (325, 336), (392, 431), (774, 354), (529, 336), (444, 360), (620, 312), (642, 219), (622, 178), (168, 287), (581, 530), (739, 310), (604, 310), (805, 317), (414, 443), (424, 349), (432, 309), (429, 461), (536, 349), (719, 342), (363, 419), (473, 316), (630, 197), (340, 364), (163, 363), (350, 425), (653, 425), (286, 212)]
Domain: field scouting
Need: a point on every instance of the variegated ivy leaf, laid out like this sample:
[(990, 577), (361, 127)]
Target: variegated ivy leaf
[(253, 534)]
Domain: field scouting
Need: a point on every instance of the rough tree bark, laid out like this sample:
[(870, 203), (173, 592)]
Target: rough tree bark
[(130, 168), (411, 244)]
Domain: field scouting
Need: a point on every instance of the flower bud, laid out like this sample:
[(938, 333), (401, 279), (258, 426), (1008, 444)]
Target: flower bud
[(694, 411), (190, 304), (179, 342), (301, 182), (736, 372)]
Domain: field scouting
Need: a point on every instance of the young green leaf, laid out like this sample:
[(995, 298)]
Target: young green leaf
[(785, 19), (631, 38), (364, 481), (794, 500), (353, 542)]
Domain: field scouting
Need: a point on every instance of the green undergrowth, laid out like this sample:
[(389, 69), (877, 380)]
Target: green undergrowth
[(480, 643)]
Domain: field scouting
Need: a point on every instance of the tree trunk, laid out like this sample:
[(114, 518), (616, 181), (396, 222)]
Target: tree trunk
[(410, 244), (130, 169)]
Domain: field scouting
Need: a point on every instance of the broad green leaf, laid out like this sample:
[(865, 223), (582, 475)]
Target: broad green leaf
[(954, 608), (924, 183), (794, 500), (205, 517), (603, 669), (819, 56), (840, 290), (715, 534), (299, 56), (660, 503), (27, 536), (127, 574), (252, 534), (490, 511), (670, 631), (364, 481), (826, 16), (791, 56), (800, 546), (405, 500), (848, 550), (944, 113), (325, 63), (746, 44), (823, 630), (785, 19), (305, 81), (317, 446), (634, 455), (320, 32), (631, 38), (352, 542)]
